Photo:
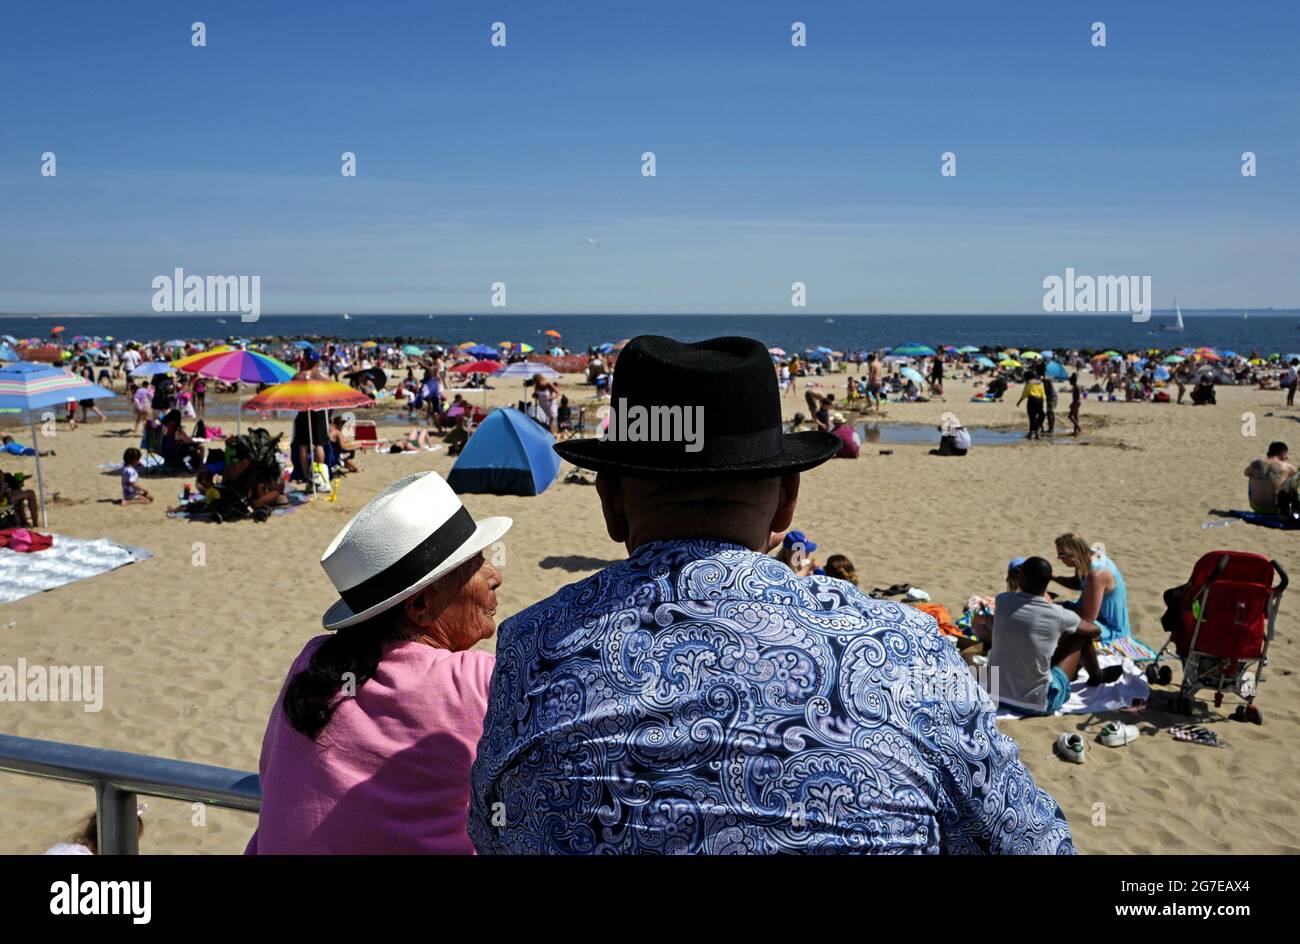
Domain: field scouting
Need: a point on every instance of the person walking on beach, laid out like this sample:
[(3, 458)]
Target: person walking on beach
[(368, 748), (1290, 380), (1075, 397), (1050, 404), (875, 381), (1034, 393), (936, 376), (700, 697)]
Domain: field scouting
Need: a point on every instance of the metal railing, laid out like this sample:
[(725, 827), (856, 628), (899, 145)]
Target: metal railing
[(118, 777)]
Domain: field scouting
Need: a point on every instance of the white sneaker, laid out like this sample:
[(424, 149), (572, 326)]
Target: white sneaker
[(1069, 747), (1115, 734)]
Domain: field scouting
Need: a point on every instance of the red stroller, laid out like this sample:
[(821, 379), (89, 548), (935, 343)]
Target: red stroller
[(1220, 624)]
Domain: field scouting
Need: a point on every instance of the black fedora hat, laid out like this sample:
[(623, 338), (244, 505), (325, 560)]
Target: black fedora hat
[(709, 409)]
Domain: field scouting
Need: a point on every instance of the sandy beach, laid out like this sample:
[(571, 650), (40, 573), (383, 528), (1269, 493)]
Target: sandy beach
[(195, 641)]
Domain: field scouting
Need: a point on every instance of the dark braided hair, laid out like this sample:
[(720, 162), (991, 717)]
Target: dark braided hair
[(356, 649)]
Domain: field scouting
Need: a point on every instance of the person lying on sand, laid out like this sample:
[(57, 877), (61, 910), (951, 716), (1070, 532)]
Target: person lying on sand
[(1039, 647), (18, 449)]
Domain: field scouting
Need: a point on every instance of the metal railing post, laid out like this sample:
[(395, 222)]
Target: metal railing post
[(117, 815)]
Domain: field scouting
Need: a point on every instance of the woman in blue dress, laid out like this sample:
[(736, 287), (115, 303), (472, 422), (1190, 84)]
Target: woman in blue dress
[(1103, 596)]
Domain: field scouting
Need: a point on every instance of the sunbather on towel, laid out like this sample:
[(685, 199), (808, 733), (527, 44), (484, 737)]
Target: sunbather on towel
[(1039, 647)]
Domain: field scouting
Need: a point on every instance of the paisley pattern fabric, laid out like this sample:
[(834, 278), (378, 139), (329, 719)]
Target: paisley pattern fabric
[(701, 698)]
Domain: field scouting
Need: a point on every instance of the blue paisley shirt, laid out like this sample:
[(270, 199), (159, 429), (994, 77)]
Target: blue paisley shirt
[(700, 698)]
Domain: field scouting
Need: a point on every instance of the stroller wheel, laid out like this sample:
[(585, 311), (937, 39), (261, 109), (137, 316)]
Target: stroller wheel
[(1152, 674), (1253, 715), (1240, 714), (1166, 675)]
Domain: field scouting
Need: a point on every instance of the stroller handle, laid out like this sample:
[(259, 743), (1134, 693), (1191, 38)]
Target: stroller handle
[(1281, 573)]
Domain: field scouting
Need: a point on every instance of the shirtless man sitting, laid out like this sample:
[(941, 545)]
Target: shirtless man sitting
[(1267, 476)]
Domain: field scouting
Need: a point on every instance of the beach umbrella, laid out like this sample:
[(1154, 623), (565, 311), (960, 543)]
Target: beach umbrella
[(308, 394), (968, 349), (1228, 353), (1056, 370), (152, 369), (911, 374), (1257, 361), (477, 367), (369, 344), (1109, 354), (556, 352), (7, 353), (525, 369), (482, 350), (8, 339), (1008, 362), (410, 350), (235, 366), (913, 350), (779, 352), (57, 329), (522, 348), (465, 345), (28, 386), (1031, 356), (984, 362), (1174, 359), (619, 345), (1162, 373), (1292, 357), (305, 345), (552, 333)]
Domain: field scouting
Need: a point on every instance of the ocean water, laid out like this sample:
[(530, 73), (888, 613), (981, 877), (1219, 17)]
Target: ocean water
[(1262, 332)]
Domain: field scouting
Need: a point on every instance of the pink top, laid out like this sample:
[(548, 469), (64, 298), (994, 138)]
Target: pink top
[(390, 772)]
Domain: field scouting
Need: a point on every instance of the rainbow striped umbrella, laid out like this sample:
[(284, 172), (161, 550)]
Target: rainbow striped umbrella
[(308, 394), (234, 366)]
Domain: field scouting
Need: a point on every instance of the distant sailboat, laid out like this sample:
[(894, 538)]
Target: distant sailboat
[(830, 321), (1178, 325), (346, 316), (1244, 316)]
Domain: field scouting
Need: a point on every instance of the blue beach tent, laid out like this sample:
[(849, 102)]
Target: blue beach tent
[(509, 454), (1056, 371)]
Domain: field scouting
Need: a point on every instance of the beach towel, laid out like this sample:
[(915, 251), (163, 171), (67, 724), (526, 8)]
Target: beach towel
[(1088, 699), (1254, 517), (1126, 647), (941, 616), (195, 512), (68, 560)]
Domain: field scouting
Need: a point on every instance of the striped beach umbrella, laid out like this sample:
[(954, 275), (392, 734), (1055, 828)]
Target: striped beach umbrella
[(28, 386), (232, 365), (308, 394)]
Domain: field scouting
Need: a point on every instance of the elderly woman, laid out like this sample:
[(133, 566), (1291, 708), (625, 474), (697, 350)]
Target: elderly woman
[(1103, 596), (370, 743)]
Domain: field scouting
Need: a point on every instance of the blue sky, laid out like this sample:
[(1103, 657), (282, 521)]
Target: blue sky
[(774, 164)]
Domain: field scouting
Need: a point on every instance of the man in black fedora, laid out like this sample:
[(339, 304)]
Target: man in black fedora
[(701, 698)]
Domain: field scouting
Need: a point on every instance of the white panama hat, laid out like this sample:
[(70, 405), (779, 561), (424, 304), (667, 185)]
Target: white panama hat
[(408, 536)]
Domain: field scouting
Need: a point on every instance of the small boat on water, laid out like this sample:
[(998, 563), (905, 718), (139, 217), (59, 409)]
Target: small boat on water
[(346, 316), (1177, 325)]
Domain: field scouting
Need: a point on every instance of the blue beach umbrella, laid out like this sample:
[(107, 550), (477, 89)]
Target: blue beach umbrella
[(1056, 370), (912, 350), (482, 350), (911, 374), (7, 353), (984, 362), (968, 349)]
